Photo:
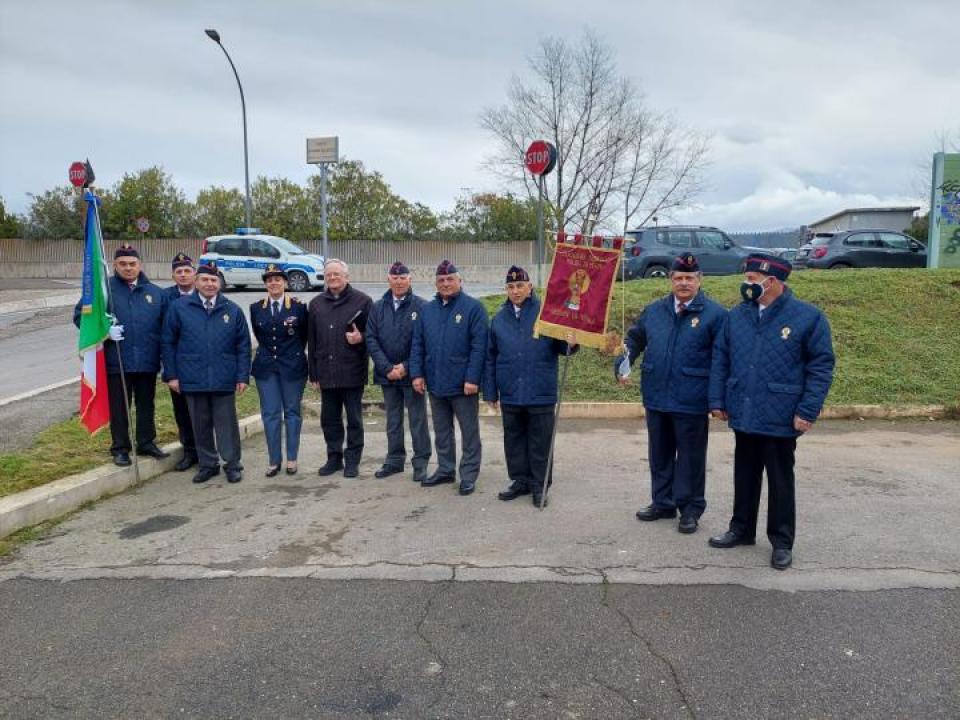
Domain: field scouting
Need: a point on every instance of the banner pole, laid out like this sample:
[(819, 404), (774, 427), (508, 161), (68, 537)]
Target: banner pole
[(556, 421), (539, 231)]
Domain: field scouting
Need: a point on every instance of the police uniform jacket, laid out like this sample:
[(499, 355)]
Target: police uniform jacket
[(141, 312), (390, 335), (281, 339), (206, 352), (767, 370), (677, 349), (520, 369), (332, 361)]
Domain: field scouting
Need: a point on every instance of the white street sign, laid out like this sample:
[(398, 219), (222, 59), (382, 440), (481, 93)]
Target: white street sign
[(323, 150)]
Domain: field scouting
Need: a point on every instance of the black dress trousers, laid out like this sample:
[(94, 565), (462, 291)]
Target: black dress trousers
[(753, 455)]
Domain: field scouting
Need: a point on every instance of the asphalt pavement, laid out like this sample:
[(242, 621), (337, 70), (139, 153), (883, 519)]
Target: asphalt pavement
[(320, 597)]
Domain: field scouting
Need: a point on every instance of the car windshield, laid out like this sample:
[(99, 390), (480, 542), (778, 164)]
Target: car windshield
[(288, 247)]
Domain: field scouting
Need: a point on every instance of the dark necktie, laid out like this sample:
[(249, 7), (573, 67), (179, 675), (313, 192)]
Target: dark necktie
[(681, 309), (208, 304), (276, 308)]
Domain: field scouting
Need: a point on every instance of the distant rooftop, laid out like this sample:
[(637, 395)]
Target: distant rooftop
[(853, 211)]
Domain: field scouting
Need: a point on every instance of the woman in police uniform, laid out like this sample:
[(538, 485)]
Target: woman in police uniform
[(280, 366)]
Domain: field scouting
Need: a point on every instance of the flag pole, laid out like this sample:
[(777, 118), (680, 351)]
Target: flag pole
[(556, 421), (127, 405)]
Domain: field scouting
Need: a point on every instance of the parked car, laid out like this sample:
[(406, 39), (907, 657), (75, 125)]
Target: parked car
[(649, 252), (861, 248), (243, 256)]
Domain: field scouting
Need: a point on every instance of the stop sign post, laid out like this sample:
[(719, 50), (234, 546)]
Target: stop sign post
[(540, 159)]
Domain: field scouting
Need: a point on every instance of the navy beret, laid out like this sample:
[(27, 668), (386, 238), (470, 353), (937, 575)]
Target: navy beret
[(209, 268), (769, 265), (181, 260), (126, 250), (398, 268), (517, 274), (446, 268), (685, 263)]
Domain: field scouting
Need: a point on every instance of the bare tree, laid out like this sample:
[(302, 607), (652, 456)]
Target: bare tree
[(616, 159)]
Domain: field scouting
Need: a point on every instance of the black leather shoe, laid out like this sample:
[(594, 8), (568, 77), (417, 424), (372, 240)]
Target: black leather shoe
[(272, 472), (688, 524), (186, 462), (387, 471), (537, 498), (437, 479), (291, 470), (730, 539), (153, 451), (781, 558), (351, 471), (205, 474), (334, 464), (419, 476), (651, 512), (466, 488), (234, 476), (513, 492), (122, 459)]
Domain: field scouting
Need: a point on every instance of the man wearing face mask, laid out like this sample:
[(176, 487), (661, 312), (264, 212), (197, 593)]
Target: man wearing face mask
[(772, 369)]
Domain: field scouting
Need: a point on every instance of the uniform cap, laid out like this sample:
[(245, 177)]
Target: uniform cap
[(398, 268), (517, 274), (769, 265), (126, 250), (181, 260), (273, 270), (446, 268), (209, 268), (685, 263)]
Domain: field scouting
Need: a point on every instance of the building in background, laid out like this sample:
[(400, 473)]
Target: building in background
[(890, 218)]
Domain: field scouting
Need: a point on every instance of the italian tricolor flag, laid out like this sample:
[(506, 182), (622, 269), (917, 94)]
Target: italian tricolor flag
[(94, 326)]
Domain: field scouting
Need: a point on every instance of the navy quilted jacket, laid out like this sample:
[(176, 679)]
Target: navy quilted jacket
[(767, 370), (390, 335), (141, 312), (520, 369), (206, 353), (450, 345), (677, 351)]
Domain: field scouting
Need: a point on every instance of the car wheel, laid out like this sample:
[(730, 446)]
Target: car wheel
[(840, 266), (223, 281), (297, 281), (655, 271)]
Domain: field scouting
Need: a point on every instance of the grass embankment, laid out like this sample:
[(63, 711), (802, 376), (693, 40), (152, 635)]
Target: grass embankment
[(66, 449), (896, 334)]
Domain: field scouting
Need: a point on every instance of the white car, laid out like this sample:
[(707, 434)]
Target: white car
[(243, 256)]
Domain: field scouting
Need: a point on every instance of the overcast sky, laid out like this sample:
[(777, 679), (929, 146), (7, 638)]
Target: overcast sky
[(812, 106)]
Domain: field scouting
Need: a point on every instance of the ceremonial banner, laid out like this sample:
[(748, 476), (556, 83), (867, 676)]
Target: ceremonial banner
[(577, 297), (94, 326)]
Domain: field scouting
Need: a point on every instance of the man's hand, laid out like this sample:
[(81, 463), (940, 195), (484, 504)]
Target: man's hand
[(392, 375), (624, 381), (116, 333), (470, 389), (354, 337), (494, 405), (315, 385), (419, 385), (240, 388), (720, 414), (801, 425), (401, 370), (174, 385)]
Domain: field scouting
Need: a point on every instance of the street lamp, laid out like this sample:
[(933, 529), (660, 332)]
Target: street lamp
[(215, 36)]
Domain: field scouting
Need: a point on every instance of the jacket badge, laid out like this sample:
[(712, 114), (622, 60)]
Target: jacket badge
[(226, 318), (413, 315), (785, 333), (149, 298), (694, 321), (458, 317)]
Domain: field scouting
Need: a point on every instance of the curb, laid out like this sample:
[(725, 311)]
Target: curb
[(50, 301), (59, 497)]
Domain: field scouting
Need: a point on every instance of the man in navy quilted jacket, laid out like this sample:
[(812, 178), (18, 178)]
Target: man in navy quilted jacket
[(520, 375), (675, 335), (206, 356), (772, 369), (446, 359)]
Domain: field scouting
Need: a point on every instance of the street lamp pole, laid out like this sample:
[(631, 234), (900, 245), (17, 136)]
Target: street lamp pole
[(215, 36)]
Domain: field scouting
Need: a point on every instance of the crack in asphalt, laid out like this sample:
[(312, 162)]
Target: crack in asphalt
[(607, 602), (438, 656), (620, 694)]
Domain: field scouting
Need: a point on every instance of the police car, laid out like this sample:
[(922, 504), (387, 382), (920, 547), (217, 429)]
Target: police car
[(243, 256)]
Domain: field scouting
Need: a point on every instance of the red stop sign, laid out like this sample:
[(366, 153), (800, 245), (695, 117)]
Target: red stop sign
[(78, 174), (540, 158)]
